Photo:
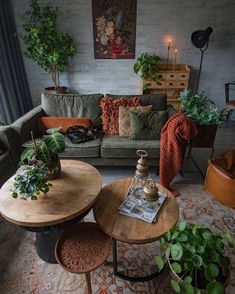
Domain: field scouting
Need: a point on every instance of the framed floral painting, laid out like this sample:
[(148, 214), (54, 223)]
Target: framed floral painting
[(114, 28)]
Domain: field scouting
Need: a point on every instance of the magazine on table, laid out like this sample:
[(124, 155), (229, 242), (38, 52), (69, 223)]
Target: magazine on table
[(134, 205)]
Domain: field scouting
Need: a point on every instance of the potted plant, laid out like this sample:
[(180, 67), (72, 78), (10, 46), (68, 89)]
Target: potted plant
[(44, 44), (196, 257), (30, 181), (45, 149), (205, 114), (146, 65)]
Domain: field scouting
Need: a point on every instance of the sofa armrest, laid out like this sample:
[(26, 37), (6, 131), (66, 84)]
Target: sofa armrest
[(27, 123), (8, 138)]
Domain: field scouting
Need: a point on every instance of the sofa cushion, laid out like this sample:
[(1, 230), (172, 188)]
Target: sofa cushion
[(73, 105), (147, 125), (62, 122), (110, 112), (124, 118), (86, 149), (158, 101), (122, 147)]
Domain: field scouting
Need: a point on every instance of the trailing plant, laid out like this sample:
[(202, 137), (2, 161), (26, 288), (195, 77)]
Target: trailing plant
[(46, 45), (200, 109), (196, 255), (146, 65), (30, 181), (44, 149)]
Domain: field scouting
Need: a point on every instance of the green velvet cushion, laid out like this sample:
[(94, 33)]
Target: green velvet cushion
[(158, 101), (122, 147), (73, 105), (147, 125)]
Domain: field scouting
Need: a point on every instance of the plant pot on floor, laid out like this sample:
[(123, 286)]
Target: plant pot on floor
[(206, 136), (177, 278), (54, 90)]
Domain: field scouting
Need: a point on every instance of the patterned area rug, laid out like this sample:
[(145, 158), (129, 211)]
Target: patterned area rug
[(21, 271)]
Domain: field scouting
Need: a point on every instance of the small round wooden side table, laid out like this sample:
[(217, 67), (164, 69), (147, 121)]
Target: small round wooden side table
[(127, 229), (82, 249)]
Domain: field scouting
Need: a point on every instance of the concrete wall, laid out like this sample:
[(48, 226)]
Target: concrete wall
[(156, 21)]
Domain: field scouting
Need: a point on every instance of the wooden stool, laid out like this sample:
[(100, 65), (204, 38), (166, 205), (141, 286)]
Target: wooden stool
[(82, 249)]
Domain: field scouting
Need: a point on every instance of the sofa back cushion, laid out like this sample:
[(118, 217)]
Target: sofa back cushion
[(158, 101), (73, 105), (62, 122)]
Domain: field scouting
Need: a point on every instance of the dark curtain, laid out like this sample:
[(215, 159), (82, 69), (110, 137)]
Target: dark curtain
[(15, 98)]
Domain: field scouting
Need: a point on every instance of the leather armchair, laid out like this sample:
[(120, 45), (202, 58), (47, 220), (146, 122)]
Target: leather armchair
[(220, 178)]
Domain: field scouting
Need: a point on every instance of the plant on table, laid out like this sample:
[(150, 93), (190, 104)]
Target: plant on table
[(146, 65), (44, 44), (45, 149), (196, 258), (30, 181), (200, 109)]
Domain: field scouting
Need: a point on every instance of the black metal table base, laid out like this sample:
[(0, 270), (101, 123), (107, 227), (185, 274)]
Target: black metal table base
[(126, 277), (46, 237)]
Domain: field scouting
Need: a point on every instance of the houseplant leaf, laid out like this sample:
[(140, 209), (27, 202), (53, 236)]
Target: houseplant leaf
[(215, 288), (175, 286), (160, 263), (211, 271), (176, 267), (176, 251)]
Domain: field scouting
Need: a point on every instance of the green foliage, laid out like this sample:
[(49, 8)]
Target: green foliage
[(30, 181), (196, 253), (147, 66), (44, 44), (45, 148), (200, 109)]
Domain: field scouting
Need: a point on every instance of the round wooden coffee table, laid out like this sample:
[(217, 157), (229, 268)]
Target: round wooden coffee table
[(70, 198), (128, 229)]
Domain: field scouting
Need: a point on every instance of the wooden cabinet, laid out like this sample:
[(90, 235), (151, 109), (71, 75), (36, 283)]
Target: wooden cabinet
[(172, 81)]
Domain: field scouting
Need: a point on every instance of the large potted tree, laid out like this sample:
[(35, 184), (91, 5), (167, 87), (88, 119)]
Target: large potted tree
[(205, 114), (45, 44)]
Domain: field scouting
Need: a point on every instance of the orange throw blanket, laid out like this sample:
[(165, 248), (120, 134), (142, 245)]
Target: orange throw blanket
[(179, 125)]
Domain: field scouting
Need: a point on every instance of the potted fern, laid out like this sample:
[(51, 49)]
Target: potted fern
[(197, 258), (205, 114), (44, 43), (46, 150)]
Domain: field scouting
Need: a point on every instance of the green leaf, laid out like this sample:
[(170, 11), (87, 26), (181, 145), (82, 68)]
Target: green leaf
[(182, 238), (186, 288), (211, 271), (229, 239), (197, 291), (182, 226), (188, 279), (168, 235), (215, 288), (175, 235), (197, 260), (207, 234), (168, 252), (175, 286), (176, 267), (159, 262), (176, 251)]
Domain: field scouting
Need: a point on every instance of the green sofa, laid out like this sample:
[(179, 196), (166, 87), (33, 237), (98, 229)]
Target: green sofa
[(8, 154), (103, 151)]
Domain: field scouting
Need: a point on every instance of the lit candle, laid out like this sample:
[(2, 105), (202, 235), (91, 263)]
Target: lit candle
[(168, 52), (176, 50)]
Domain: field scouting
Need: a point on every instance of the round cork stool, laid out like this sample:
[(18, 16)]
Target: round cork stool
[(82, 249)]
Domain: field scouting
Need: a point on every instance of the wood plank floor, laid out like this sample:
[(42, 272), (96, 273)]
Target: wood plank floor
[(225, 140)]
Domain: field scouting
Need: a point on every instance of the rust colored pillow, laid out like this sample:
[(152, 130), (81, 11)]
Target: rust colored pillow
[(63, 122), (110, 112)]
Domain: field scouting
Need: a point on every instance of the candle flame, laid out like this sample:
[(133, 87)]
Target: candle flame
[(176, 50)]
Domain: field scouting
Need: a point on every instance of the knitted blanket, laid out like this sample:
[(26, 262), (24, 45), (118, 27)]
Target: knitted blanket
[(178, 126)]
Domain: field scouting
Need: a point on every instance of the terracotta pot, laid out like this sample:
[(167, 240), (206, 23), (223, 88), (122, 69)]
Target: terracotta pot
[(54, 168), (53, 90), (178, 279), (206, 136)]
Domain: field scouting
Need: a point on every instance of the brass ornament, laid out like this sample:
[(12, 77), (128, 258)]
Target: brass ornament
[(150, 191)]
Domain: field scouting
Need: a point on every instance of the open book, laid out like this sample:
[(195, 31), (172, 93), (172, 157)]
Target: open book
[(135, 206)]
